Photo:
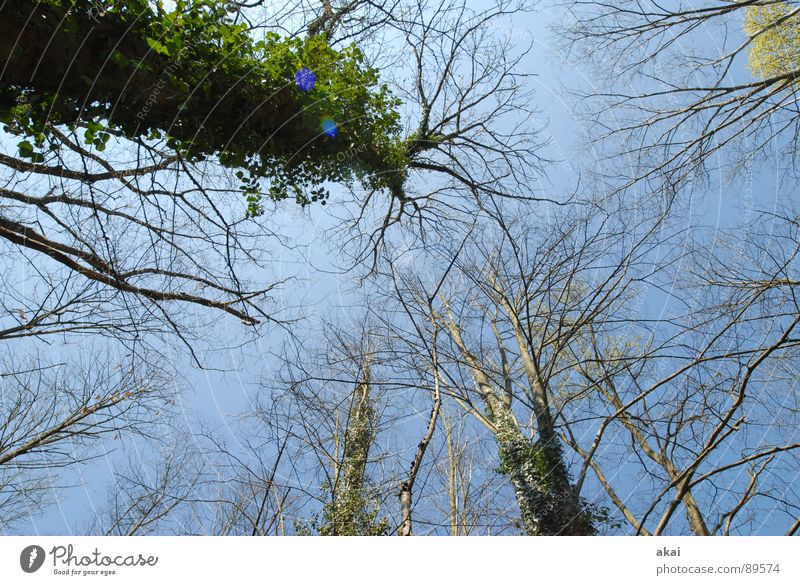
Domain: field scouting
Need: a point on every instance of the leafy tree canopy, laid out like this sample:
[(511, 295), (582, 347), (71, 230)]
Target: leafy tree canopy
[(194, 77), (775, 48)]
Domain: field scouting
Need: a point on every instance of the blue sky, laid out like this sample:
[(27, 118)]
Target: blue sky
[(218, 397)]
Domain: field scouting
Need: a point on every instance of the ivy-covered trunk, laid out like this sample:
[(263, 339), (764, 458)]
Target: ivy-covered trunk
[(293, 110), (351, 511), (547, 500)]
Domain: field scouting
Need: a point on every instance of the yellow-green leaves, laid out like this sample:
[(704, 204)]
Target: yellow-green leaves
[(775, 30)]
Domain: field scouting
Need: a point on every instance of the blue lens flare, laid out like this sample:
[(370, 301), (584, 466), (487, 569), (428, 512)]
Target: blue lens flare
[(329, 127), (305, 79)]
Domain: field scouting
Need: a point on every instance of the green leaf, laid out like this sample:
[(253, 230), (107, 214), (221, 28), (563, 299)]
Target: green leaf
[(157, 47), (25, 148)]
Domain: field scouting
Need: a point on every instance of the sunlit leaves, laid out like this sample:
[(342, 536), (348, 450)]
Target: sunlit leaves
[(775, 32)]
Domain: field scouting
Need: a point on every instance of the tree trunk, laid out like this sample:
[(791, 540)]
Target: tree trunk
[(405, 509)]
